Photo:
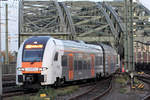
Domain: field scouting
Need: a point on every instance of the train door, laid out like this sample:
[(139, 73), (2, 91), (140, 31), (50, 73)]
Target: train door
[(71, 73), (57, 70), (92, 65)]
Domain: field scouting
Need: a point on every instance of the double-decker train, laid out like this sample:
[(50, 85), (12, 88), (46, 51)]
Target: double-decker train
[(142, 56), (43, 60)]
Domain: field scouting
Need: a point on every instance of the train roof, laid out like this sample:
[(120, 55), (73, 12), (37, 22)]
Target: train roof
[(108, 48), (71, 43), (80, 44), (38, 40)]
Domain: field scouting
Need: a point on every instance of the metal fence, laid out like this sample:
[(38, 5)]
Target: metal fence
[(8, 68)]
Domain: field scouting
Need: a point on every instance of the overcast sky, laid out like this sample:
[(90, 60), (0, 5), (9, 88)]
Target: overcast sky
[(13, 21)]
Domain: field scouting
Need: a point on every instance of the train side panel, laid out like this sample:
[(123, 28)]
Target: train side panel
[(81, 62), (52, 59), (111, 59)]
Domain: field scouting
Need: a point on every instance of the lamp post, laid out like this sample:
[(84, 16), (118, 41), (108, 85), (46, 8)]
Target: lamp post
[(126, 36), (131, 38), (6, 35), (131, 46)]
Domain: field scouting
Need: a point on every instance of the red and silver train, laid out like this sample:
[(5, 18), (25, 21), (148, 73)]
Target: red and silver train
[(142, 56), (45, 60)]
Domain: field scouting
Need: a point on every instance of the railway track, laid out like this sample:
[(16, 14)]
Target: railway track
[(9, 83), (9, 80), (6, 95), (94, 92), (146, 79), (146, 97), (12, 91), (18, 92), (9, 77), (91, 90), (9, 86)]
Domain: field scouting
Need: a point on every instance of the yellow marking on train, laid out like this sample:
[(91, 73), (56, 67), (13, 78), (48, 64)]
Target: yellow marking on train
[(33, 46)]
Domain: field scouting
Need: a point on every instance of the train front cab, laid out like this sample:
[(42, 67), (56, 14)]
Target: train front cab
[(29, 63), (31, 66)]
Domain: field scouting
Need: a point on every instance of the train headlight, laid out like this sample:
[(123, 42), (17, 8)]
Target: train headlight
[(21, 69), (43, 69)]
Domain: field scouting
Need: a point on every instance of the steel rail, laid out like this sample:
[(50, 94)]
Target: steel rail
[(145, 79), (6, 95), (104, 93), (89, 91), (146, 97)]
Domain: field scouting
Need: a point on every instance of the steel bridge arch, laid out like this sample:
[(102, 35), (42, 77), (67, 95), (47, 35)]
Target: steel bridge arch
[(87, 21)]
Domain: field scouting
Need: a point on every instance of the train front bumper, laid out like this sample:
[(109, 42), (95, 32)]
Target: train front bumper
[(31, 78)]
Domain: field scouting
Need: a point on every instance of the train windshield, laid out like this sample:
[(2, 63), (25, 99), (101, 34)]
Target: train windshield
[(33, 55)]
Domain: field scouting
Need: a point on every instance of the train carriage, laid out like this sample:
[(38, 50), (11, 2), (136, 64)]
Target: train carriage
[(44, 60)]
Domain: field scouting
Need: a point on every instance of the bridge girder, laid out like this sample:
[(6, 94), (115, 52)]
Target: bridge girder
[(88, 21)]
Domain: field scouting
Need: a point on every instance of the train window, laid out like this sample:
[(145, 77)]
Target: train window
[(84, 65), (88, 65), (96, 61), (75, 64), (64, 60), (89, 62), (80, 65), (56, 56), (100, 61), (33, 55)]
